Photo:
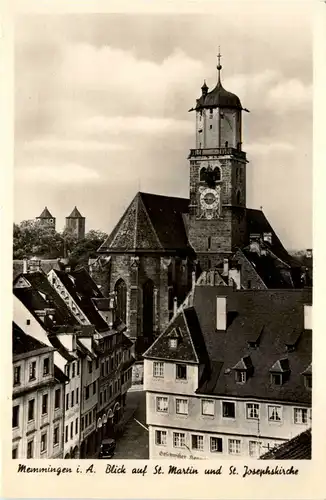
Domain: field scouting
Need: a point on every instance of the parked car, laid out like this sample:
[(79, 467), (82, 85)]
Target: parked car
[(107, 448)]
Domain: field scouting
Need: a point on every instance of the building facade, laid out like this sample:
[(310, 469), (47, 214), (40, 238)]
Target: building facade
[(231, 375), (38, 399), (43, 314), (105, 372)]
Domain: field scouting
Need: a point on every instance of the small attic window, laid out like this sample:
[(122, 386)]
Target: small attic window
[(280, 372), (308, 381), (175, 337), (267, 237), (243, 370), (277, 378), (241, 376), (173, 343), (307, 377)]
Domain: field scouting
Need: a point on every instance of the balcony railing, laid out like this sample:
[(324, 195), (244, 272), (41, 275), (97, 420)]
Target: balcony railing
[(218, 151)]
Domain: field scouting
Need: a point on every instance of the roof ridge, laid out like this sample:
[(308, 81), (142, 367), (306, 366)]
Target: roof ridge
[(150, 223), (138, 196), (186, 323)]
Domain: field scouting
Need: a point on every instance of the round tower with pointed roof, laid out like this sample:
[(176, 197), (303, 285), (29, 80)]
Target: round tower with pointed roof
[(76, 223), (46, 218)]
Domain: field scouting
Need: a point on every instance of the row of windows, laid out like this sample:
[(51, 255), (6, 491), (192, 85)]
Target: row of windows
[(107, 395), (180, 370), (126, 376), (71, 399), (72, 370), (71, 430), (300, 415), (31, 408), (31, 371), (43, 443), (89, 418), (216, 445), (110, 364)]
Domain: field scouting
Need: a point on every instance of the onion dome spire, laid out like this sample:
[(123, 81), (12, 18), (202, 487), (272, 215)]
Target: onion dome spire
[(219, 66)]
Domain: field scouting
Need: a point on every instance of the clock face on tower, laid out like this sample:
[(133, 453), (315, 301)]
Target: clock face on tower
[(210, 202), (209, 199)]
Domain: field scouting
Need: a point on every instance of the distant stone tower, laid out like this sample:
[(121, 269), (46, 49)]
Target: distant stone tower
[(76, 222), (46, 218)]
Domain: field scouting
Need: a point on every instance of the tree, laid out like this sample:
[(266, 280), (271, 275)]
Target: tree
[(34, 238), (86, 248)]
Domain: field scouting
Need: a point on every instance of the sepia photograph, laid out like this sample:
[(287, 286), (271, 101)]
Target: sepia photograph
[(162, 235)]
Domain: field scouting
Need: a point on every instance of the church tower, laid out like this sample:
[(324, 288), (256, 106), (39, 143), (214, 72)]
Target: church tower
[(217, 209), (46, 218), (76, 223)]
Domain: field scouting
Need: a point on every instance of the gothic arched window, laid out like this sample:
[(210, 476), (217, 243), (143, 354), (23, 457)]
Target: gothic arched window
[(148, 308), (202, 175), (217, 174), (121, 295)]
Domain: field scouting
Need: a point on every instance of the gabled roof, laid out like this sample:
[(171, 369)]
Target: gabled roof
[(191, 346), (150, 223), (23, 343), (40, 295), (75, 214), (297, 448), (45, 264), (45, 214), (83, 289)]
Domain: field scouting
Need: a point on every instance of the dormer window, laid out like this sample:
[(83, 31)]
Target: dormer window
[(243, 370), (240, 376), (280, 372), (277, 378), (307, 377), (308, 381)]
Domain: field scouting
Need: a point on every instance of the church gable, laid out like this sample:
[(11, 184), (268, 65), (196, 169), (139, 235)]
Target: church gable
[(150, 223)]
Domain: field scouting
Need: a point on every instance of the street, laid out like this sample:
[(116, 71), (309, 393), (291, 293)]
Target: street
[(134, 442)]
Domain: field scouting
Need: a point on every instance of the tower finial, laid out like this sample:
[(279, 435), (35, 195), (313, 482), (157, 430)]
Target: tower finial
[(219, 66)]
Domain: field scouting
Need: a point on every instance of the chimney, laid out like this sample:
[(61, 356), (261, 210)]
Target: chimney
[(175, 306), (25, 266), (225, 267), (307, 317), (221, 313)]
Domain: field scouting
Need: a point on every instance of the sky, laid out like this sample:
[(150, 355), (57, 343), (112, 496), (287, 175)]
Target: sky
[(102, 100)]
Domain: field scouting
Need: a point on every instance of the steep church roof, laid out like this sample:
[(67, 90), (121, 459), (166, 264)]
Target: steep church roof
[(75, 214), (45, 214), (151, 223)]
